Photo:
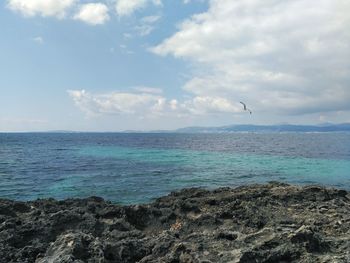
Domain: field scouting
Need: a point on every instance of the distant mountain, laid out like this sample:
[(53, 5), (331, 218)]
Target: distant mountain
[(327, 127), (324, 127), (60, 131)]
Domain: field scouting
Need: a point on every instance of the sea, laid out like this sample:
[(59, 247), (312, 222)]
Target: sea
[(133, 168)]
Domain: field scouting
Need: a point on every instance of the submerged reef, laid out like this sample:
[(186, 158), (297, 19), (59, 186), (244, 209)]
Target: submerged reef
[(274, 222)]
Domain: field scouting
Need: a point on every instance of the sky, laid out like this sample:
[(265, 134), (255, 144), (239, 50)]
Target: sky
[(115, 65)]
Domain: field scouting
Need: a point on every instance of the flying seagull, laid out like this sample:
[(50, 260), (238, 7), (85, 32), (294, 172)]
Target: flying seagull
[(245, 107)]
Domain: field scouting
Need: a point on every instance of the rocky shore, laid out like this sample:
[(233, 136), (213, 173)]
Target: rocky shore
[(258, 223)]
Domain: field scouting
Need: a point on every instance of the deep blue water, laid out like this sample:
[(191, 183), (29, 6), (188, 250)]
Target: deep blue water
[(134, 168)]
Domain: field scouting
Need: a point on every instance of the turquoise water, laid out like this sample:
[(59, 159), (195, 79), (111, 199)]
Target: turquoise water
[(212, 169), (137, 168)]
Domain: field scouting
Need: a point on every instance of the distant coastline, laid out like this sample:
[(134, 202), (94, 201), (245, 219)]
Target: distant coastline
[(235, 128), (343, 127)]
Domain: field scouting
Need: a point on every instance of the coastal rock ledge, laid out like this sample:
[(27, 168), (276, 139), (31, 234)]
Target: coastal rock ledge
[(258, 223)]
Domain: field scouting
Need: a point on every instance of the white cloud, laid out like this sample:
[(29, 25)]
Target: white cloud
[(147, 25), (113, 103), (41, 7), (93, 13), (149, 103), (149, 90), (38, 40), (125, 49), (144, 30), (207, 105), (191, 1), (127, 7), (288, 56), (150, 19), (127, 35)]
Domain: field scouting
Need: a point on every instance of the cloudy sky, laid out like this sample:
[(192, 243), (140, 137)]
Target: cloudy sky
[(113, 65)]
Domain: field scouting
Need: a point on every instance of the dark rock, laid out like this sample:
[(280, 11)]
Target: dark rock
[(312, 241), (259, 223), (229, 235)]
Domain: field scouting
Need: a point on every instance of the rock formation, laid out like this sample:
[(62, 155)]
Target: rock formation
[(258, 223)]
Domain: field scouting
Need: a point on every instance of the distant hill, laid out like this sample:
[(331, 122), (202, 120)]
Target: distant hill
[(269, 128), (326, 127)]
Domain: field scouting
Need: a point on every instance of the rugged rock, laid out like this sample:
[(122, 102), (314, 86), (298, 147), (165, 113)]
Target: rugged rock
[(258, 223)]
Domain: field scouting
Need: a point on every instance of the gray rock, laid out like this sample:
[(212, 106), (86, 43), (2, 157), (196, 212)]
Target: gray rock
[(258, 223)]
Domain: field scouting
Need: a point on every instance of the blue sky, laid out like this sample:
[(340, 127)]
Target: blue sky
[(150, 64)]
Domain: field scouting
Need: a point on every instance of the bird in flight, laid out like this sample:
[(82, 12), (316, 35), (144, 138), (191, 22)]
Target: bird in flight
[(245, 107)]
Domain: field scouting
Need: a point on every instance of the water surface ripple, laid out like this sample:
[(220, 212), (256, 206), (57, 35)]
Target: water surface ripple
[(134, 168)]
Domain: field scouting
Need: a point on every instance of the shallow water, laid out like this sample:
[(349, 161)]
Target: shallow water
[(134, 168)]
